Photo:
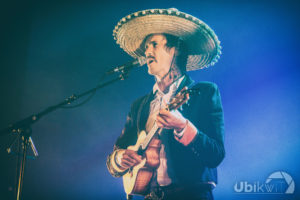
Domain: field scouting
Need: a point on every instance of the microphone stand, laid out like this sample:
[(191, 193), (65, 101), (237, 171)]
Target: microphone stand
[(24, 131)]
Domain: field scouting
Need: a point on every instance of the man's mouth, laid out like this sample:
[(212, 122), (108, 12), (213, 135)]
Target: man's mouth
[(150, 60)]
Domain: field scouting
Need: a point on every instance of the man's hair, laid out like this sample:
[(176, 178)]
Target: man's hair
[(181, 51)]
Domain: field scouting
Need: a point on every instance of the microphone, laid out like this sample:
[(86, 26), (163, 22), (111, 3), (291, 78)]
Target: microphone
[(125, 67)]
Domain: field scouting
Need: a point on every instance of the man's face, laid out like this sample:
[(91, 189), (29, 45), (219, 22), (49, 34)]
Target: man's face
[(158, 57)]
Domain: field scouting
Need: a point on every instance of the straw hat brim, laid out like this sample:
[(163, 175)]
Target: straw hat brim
[(202, 43)]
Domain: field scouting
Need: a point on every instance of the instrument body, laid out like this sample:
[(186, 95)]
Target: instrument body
[(137, 179)]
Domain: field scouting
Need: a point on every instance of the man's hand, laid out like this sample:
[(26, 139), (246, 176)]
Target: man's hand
[(171, 120), (130, 158)]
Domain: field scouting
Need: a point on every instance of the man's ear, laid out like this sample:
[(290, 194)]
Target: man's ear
[(174, 51)]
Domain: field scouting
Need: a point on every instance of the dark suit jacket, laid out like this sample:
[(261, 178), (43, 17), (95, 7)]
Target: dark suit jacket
[(196, 162)]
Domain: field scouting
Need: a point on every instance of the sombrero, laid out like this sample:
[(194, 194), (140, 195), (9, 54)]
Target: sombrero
[(202, 43)]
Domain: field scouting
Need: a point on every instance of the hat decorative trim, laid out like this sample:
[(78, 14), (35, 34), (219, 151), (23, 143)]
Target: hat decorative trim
[(203, 46)]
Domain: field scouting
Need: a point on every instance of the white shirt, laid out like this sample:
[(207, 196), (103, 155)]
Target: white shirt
[(159, 102)]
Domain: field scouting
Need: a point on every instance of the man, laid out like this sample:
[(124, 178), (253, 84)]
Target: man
[(192, 140)]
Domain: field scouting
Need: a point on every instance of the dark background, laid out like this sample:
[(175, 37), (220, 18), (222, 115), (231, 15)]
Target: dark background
[(52, 49)]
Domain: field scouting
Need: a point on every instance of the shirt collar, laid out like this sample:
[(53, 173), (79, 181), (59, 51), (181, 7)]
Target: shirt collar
[(172, 88)]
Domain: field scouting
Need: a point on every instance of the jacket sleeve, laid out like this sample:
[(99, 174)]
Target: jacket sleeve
[(128, 137), (208, 144)]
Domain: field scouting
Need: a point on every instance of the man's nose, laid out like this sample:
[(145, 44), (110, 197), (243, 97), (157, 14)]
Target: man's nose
[(149, 51)]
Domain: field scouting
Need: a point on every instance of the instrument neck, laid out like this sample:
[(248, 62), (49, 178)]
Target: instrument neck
[(155, 129)]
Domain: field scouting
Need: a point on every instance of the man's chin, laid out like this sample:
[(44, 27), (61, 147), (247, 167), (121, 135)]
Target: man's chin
[(151, 71)]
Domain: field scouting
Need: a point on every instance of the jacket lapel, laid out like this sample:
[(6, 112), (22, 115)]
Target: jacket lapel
[(187, 81), (143, 112)]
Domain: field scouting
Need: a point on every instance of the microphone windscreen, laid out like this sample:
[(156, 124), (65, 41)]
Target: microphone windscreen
[(142, 60)]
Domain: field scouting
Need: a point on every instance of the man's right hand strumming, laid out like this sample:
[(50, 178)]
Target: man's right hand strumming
[(128, 158)]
